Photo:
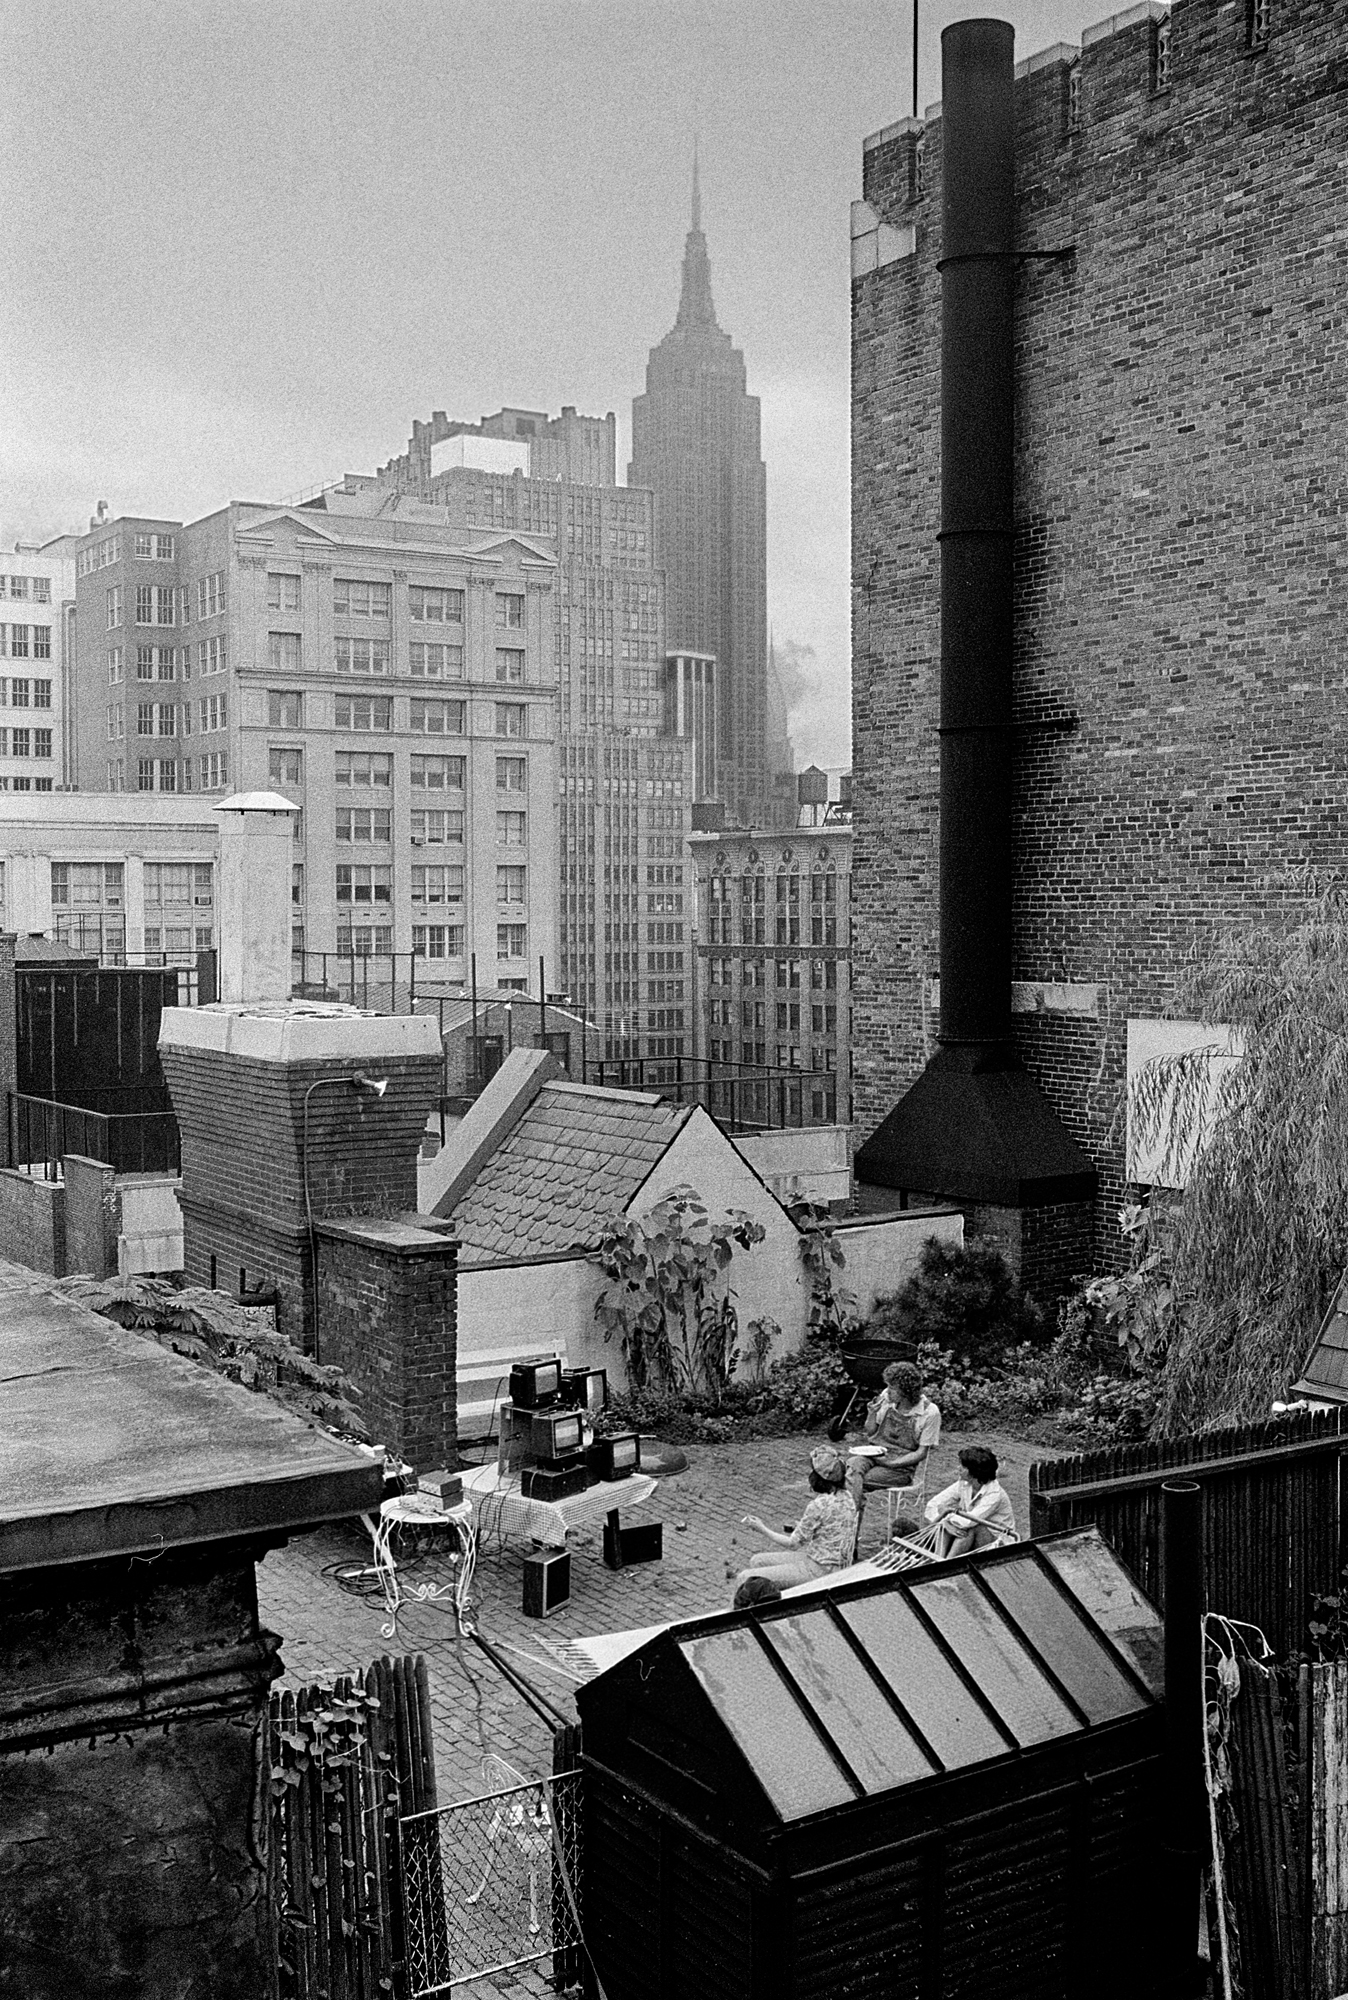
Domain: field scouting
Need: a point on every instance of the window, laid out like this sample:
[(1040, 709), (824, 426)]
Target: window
[(18, 586), (511, 719), (1160, 55), (788, 1017), (210, 656), (365, 940), (285, 708), (788, 973), (156, 604), (359, 882), (433, 888), (42, 642), (512, 774), (283, 591), (509, 664), (437, 774), (213, 713), (437, 829), (363, 767), (185, 723), (170, 885), (211, 595), (435, 663), (99, 556), (18, 642), (285, 767), (297, 882), (435, 607), (823, 973), (87, 885), (154, 548), (512, 941), (510, 885), (509, 611), (512, 829), (114, 606), (114, 666), (361, 656), (156, 663), (21, 742), (42, 743), (145, 718), (42, 590), (354, 599), (185, 663), (18, 694), (438, 718), (365, 824), (437, 940), (1074, 98), (116, 722), (283, 652), (214, 771), (1257, 18), (364, 711)]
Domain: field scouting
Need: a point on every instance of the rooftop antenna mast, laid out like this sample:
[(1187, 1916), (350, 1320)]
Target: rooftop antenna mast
[(915, 5)]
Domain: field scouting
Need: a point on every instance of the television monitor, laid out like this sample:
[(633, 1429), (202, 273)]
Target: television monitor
[(554, 1433), (535, 1384), (585, 1389), (615, 1457), (547, 1583)]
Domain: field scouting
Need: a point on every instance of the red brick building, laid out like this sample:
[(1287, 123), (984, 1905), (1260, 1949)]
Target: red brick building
[(1181, 533)]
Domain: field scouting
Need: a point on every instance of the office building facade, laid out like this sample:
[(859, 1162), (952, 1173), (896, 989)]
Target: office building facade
[(625, 778), (37, 592), (394, 677)]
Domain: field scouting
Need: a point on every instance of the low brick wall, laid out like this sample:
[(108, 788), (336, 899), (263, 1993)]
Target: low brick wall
[(33, 1222), (93, 1216)]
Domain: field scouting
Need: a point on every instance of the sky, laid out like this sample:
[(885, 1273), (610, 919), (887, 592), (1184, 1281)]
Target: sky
[(246, 244)]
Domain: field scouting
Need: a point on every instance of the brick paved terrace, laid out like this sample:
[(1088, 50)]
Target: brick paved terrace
[(326, 1630)]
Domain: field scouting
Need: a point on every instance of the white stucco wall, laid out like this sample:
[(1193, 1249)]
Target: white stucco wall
[(880, 1253)]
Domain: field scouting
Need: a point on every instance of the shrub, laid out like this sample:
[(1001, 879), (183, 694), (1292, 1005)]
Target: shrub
[(804, 1386), (962, 1300)]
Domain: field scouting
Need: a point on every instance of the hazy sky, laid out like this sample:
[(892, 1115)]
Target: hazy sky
[(245, 244)]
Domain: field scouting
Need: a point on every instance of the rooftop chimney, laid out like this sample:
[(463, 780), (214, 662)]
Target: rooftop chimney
[(257, 852), (974, 1127)]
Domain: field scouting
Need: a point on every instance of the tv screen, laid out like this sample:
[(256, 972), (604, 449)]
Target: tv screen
[(586, 1388), (555, 1433), (535, 1383), (624, 1453)]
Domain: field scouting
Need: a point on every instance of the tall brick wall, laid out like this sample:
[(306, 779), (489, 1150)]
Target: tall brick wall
[(242, 1126), (388, 1317), (1182, 539)]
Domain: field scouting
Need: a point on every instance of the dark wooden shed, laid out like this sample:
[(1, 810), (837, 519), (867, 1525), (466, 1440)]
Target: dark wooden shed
[(942, 1783)]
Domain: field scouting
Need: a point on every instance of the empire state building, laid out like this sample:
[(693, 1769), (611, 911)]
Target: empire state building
[(695, 443)]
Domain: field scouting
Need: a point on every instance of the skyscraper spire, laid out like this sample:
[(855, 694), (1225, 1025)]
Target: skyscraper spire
[(695, 302)]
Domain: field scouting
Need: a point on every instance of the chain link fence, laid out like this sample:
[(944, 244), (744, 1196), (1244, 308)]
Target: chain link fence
[(492, 1883)]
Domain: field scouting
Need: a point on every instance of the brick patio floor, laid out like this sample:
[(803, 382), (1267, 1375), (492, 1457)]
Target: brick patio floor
[(327, 1631)]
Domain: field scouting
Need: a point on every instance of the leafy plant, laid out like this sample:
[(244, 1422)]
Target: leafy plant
[(1258, 1238), (763, 1334), (805, 1385), (961, 1298), (207, 1327), (832, 1310), (669, 1302)]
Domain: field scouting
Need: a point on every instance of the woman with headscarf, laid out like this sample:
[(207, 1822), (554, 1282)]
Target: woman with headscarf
[(823, 1539)]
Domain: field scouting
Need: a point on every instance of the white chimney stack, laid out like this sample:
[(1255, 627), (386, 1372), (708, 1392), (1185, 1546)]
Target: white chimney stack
[(257, 852)]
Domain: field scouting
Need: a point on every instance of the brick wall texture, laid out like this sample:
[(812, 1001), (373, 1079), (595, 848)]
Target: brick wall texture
[(389, 1320), (242, 1126), (1182, 538)]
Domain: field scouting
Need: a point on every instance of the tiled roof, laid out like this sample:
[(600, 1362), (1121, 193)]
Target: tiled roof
[(575, 1159)]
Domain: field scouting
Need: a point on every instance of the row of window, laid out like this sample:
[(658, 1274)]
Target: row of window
[(432, 941), (169, 663), (25, 784), (25, 743), (209, 773), (101, 885), (373, 769), (24, 693), (26, 589), (25, 642), (789, 973), (433, 886), (169, 718), (753, 1014), (373, 659), (371, 826)]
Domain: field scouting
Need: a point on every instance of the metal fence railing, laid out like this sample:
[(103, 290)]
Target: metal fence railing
[(491, 1883), (744, 1097), (42, 1132)]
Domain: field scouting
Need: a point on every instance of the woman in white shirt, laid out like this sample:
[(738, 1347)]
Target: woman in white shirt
[(975, 1511)]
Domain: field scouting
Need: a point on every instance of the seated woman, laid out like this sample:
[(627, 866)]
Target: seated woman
[(824, 1537), (975, 1512)]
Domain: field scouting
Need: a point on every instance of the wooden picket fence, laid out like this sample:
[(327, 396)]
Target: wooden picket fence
[(346, 1762), (1273, 1519)]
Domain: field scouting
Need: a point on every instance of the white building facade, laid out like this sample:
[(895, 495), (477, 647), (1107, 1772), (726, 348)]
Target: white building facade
[(37, 594)]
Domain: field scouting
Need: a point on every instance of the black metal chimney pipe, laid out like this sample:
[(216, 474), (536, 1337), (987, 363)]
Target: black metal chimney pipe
[(974, 1127), (977, 528)]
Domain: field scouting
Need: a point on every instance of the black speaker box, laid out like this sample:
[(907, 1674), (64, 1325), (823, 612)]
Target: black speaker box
[(554, 1482), (547, 1583), (645, 1544)]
